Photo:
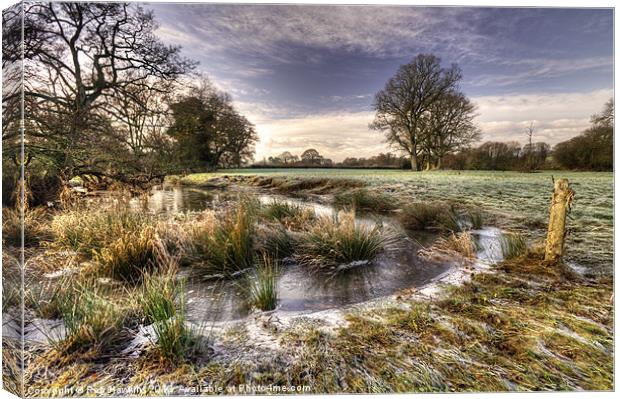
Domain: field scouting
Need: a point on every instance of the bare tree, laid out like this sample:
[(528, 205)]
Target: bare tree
[(407, 98), (449, 127), (81, 56), (529, 131)]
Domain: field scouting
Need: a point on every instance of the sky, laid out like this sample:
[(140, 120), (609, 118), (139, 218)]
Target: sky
[(306, 75)]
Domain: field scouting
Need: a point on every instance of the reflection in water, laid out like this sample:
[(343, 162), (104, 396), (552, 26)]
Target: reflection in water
[(299, 290), (176, 199)]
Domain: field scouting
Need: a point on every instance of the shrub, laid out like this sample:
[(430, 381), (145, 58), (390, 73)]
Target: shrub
[(364, 200), (263, 286), (339, 240), (129, 256), (439, 216), (513, 245)]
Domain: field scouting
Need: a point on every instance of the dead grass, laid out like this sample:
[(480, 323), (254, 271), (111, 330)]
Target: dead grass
[(34, 226), (462, 244)]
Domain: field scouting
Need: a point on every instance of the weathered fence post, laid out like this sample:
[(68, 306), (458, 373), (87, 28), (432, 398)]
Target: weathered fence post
[(560, 206)]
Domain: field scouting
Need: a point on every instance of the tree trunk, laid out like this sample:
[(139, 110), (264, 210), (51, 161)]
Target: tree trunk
[(438, 165), (414, 162), (560, 206)]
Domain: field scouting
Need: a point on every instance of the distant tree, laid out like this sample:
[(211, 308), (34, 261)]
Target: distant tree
[(286, 157), (529, 148), (311, 156), (534, 155), (605, 118), (593, 149), (402, 105)]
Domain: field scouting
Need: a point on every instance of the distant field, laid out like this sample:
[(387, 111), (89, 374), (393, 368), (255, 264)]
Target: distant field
[(523, 198)]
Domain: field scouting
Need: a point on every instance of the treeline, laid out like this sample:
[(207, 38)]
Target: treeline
[(106, 100), (591, 150)]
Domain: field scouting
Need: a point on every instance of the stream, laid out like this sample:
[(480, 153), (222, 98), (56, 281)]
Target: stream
[(300, 291)]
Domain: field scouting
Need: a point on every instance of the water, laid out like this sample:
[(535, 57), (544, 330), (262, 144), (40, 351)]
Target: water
[(299, 290)]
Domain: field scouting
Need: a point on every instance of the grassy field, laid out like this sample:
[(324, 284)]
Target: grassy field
[(521, 325), (520, 201)]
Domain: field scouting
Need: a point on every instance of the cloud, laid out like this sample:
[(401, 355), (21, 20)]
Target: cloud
[(539, 69), (284, 33), (338, 135), (556, 116), (335, 135)]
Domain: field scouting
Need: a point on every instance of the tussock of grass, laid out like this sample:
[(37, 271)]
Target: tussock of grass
[(463, 244), (224, 244), (163, 305), (513, 245), (130, 256), (263, 286), (292, 216), (435, 216), (364, 200), (277, 242), (280, 210), (85, 230), (34, 224), (92, 317), (340, 240)]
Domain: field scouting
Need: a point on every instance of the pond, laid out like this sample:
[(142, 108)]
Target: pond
[(298, 290)]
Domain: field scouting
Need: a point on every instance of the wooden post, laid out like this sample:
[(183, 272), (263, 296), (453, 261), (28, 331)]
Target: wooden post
[(560, 206)]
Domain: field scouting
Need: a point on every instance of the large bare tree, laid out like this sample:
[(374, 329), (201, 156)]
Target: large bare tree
[(405, 101), (81, 58), (449, 127)]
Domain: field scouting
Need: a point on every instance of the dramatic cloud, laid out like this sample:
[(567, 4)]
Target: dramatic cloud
[(306, 75)]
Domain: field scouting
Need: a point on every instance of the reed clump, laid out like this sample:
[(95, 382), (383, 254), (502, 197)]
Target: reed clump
[(430, 216), (223, 244), (162, 302), (263, 286), (91, 315), (292, 216), (130, 256), (339, 240), (34, 226), (87, 230), (278, 242), (513, 245), (462, 243), (364, 200)]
